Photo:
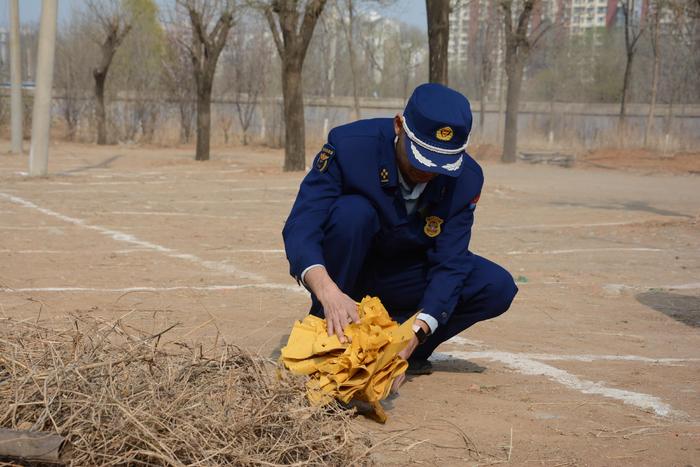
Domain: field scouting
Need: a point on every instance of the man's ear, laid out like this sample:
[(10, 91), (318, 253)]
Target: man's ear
[(398, 124)]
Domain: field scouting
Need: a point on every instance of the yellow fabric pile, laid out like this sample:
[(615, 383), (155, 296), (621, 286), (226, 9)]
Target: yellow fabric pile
[(363, 369)]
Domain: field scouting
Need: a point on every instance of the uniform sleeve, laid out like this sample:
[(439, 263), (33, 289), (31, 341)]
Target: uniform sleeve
[(303, 231), (450, 264)]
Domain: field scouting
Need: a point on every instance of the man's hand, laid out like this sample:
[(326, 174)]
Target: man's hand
[(339, 309), (406, 354)]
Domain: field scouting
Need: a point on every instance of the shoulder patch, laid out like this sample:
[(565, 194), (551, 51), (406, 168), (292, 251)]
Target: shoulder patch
[(472, 203), (324, 157)]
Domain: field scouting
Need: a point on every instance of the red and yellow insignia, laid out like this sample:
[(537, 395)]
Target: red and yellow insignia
[(444, 134), (472, 203), (324, 157), (432, 226)]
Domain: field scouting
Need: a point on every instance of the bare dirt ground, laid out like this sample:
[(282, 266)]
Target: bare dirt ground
[(597, 362)]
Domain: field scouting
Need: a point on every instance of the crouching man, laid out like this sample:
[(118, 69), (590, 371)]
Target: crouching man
[(387, 210)]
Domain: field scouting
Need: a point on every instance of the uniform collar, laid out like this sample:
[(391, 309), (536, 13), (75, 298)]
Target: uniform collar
[(408, 192)]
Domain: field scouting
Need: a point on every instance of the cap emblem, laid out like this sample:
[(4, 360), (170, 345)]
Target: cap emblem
[(445, 134)]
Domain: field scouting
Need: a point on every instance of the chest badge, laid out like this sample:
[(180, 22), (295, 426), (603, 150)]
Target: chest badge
[(433, 226)]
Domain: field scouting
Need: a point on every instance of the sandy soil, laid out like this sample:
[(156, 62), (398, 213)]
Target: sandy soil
[(597, 362)]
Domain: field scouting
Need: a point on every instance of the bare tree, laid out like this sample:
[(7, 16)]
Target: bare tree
[(140, 64), (348, 25), (246, 60), (292, 29), (72, 73), (114, 23), (656, 11), (438, 12), (487, 41), (178, 81), (204, 50), (518, 45), (633, 31)]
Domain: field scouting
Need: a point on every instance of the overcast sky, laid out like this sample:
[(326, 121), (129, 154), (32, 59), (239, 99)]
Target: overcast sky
[(409, 11)]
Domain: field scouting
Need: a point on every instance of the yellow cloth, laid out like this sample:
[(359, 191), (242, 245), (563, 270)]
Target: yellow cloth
[(363, 369)]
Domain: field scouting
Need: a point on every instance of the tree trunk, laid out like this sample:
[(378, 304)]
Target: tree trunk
[(349, 36), (294, 132), (100, 112), (203, 122), (355, 97), (654, 79), (514, 70), (185, 122), (482, 105), (623, 99), (438, 12)]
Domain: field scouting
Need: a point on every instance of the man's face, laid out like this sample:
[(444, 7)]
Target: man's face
[(410, 173)]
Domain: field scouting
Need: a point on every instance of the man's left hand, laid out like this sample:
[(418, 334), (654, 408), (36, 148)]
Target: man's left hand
[(406, 354)]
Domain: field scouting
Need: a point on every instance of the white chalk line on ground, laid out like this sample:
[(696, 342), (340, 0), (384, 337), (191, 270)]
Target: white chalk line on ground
[(168, 214), (47, 252), (236, 201), (126, 182), (531, 367), (250, 250), (616, 288), (128, 238), (38, 227), (207, 288), (560, 226), (582, 250)]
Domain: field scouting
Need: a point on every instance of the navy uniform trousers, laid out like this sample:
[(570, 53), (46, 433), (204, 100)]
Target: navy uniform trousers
[(357, 267)]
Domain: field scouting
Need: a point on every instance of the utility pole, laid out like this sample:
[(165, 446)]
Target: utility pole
[(41, 116), (16, 79)]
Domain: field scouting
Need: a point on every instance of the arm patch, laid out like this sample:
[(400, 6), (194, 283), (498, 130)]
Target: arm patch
[(323, 158), (472, 203)]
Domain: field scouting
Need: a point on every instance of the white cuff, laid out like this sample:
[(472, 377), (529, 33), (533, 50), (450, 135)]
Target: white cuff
[(303, 273), (429, 320)]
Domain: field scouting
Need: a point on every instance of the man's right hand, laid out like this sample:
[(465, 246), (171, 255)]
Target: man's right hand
[(339, 309)]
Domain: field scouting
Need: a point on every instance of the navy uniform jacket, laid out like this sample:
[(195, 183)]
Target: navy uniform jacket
[(360, 159)]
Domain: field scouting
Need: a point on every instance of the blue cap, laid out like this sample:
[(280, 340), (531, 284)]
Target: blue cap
[(437, 121)]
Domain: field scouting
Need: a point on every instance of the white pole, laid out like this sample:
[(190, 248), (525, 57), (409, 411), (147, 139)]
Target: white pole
[(16, 79), (41, 116)]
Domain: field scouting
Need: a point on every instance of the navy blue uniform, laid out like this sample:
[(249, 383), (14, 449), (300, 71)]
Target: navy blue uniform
[(350, 216)]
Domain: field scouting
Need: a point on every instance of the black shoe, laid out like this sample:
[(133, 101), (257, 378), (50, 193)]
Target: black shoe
[(418, 366)]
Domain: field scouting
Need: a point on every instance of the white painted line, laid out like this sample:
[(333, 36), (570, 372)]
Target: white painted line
[(588, 357), (269, 286), (459, 340), (38, 227), (235, 202), (558, 226), (43, 252), (278, 251), (579, 250), (163, 213), (261, 189), (617, 288), (145, 182), (111, 192), (691, 286), (528, 366), (128, 238)]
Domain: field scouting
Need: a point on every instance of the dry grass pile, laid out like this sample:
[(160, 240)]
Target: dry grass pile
[(121, 396)]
